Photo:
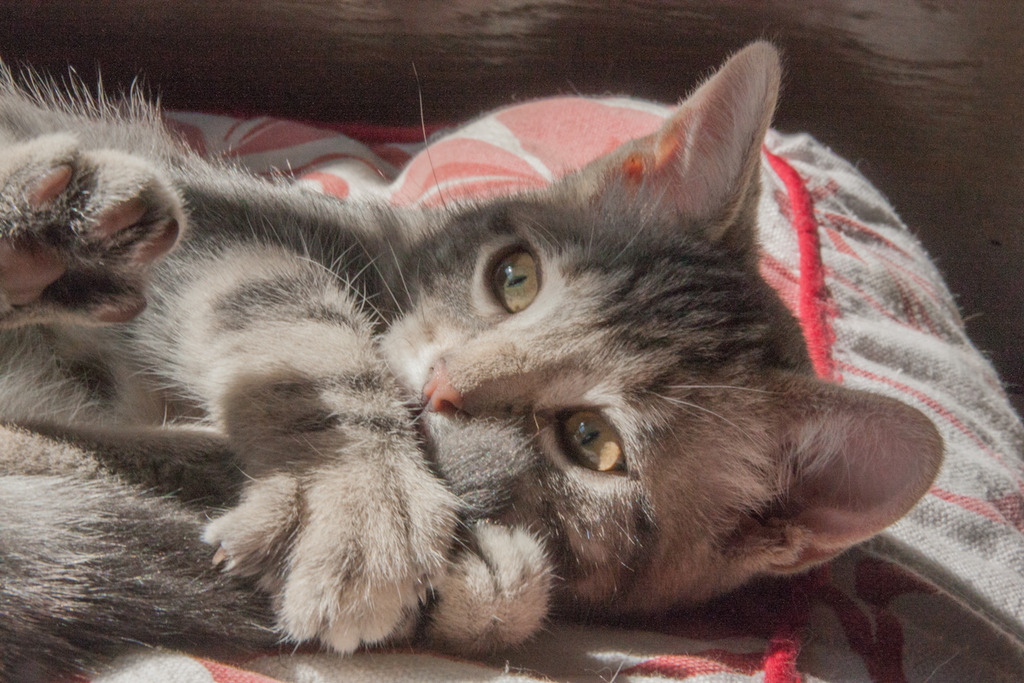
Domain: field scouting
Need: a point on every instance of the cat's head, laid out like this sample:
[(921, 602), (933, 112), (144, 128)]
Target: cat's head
[(603, 364)]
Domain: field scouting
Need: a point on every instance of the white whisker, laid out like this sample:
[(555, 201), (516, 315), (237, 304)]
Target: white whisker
[(723, 418), (686, 387)]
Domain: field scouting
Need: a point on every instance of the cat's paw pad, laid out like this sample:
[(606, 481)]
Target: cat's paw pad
[(495, 595), (80, 230)]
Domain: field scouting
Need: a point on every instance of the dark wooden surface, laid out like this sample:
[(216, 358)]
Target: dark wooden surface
[(927, 96)]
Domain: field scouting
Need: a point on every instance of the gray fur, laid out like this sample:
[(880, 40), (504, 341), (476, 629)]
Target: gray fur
[(276, 381)]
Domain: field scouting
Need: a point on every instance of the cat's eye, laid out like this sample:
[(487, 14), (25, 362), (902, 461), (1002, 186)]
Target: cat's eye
[(591, 442), (515, 280)]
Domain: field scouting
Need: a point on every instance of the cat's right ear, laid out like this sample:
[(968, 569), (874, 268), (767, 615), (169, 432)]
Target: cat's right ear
[(702, 166)]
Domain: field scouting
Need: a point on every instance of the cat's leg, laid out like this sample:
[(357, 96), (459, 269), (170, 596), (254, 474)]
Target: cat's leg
[(79, 230), (341, 519), (195, 466), (92, 565)]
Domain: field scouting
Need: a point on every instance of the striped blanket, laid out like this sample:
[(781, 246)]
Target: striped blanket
[(937, 597)]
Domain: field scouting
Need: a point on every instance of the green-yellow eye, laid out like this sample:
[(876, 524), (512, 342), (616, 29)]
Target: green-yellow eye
[(592, 442), (515, 281)]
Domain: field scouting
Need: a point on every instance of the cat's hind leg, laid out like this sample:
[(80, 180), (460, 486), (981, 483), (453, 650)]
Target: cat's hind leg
[(79, 230), (100, 549), (93, 566)]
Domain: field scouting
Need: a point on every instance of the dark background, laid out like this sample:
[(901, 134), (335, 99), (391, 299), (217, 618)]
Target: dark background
[(926, 96)]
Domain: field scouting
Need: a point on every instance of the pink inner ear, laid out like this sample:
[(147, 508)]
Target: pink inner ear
[(862, 461), (668, 148)]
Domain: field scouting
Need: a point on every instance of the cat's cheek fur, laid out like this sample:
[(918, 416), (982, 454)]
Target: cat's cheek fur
[(830, 467)]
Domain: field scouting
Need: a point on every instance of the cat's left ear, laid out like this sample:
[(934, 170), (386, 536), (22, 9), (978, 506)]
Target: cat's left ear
[(702, 165), (852, 464)]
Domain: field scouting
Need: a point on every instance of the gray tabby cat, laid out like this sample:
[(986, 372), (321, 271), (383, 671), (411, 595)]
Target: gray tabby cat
[(446, 424)]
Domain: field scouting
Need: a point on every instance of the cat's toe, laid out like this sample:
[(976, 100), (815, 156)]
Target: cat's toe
[(28, 267), (138, 219), (252, 539), (26, 270), (136, 231), (377, 625), (342, 637), (343, 606)]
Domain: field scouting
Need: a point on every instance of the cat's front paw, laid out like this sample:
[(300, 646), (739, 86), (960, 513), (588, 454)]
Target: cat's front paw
[(79, 231), (495, 595), (348, 559)]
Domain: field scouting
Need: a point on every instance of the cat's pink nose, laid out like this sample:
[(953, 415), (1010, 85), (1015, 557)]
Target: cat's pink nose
[(438, 393)]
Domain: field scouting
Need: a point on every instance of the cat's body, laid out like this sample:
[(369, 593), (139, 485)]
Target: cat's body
[(618, 414)]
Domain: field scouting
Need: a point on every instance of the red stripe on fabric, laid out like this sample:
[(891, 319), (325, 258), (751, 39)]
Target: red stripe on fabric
[(222, 673), (233, 128), (829, 189), (813, 305), (780, 660), (922, 283), (1008, 510), (841, 244), (840, 220), (703, 663), (914, 311), (262, 125), (785, 283), (331, 184)]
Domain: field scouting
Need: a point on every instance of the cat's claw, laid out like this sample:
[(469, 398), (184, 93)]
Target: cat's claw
[(79, 231), (219, 558)]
